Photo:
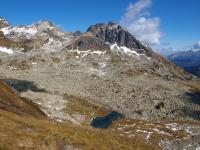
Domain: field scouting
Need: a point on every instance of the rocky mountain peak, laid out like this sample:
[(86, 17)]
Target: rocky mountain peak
[(114, 33), (77, 33), (3, 23), (41, 35), (44, 24), (111, 23)]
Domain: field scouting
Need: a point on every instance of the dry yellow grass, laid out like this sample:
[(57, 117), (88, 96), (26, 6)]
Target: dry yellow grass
[(17, 132), (11, 102), (159, 130), (23, 126), (82, 106), (195, 85)]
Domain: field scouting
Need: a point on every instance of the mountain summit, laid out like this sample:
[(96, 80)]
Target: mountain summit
[(114, 33), (3, 23)]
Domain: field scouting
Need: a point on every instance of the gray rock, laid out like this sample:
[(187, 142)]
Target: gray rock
[(112, 33), (3, 23), (88, 42)]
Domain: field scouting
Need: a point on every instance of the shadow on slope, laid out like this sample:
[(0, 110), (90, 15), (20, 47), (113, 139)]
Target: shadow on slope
[(11, 102), (23, 85), (195, 114), (194, 97)]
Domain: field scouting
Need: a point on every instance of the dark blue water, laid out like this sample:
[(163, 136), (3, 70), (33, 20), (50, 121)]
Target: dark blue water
[(106, 121)]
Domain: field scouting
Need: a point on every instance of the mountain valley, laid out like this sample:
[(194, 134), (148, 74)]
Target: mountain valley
[(54, 83)]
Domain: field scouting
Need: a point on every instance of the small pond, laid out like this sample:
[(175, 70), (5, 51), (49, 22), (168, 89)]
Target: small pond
[(106, 121)]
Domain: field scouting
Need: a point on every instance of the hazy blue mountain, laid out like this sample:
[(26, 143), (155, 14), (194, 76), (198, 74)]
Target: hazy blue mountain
[(188, 60)]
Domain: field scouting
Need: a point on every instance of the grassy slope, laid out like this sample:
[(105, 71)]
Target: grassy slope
[(17, 132), (10, 101), (23, 126)]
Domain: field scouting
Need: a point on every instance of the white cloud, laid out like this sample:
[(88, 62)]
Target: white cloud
[(137, 21), (164, 49), (197, 45)]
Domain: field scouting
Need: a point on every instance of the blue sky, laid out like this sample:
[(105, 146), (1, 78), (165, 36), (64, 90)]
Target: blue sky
[(176, 22)]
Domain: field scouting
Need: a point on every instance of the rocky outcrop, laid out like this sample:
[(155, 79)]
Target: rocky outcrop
[(114, 33), (88, 42), (46, 36), (6, 42), (3, 23), (41, 35), (77, 33)]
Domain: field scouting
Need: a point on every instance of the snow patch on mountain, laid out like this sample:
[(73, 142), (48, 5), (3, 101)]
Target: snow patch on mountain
[(6, 50), (3, 21), (42, 35), (87, 52), (29, 30), (52, 45), (41, 25), (125, 50)]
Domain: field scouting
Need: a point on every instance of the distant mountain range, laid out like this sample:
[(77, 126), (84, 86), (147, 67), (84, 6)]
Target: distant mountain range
[(188, 60)]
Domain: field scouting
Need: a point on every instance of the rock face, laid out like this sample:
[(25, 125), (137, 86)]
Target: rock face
[(113, 33), (3, 23), (88, 42), (77, 33), (7, 43), (45, 35), (42, 35)]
